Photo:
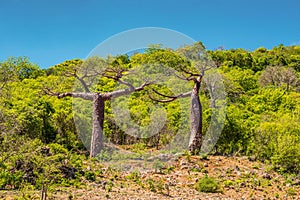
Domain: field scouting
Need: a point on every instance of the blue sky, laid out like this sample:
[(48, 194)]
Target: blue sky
[(51, 31)]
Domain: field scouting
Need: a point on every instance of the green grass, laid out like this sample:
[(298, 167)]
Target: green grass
[(208, 185)]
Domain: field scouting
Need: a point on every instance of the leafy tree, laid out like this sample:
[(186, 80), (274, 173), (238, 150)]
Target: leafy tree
[(20, 68), (279, 76)]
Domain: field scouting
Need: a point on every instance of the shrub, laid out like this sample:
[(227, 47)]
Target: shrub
[(291, 192), (57, 148), (134, 176), (158, 165), (151, 185), (12, 180), (208, 185), (91, 176)]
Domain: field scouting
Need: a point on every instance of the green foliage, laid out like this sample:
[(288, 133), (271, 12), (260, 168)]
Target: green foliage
[(245, 78), (34, 164), (291, 192), (57, 149), (19, 68), (91, 176), (64, 67), (262, 117), (151, 185), (158, 165), (134, 176), (208, 185), (277, 139), (139, 147), (228, 183), (270, 100), (104, 156), (109, 186), (154, 185), (10, 180)]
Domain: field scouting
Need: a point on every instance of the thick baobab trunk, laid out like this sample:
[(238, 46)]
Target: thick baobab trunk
[(98, 119), (195, 119)]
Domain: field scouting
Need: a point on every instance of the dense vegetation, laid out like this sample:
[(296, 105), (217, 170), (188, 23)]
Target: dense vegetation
[(39, 141)]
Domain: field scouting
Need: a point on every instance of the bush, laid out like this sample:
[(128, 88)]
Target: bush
[(151, 185), (278, 140), (57, 148), (208, 185), (134, 176), (91, 176), (11, 180)]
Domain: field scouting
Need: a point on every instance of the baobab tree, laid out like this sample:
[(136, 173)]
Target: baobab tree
[(199, 63), (88, 75)]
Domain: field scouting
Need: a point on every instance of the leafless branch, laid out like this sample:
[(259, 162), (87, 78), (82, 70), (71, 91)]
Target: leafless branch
[(83, 83), (126, 83), (171, 98), (83, 95), (187, 72), (118, 93), (184, 78)]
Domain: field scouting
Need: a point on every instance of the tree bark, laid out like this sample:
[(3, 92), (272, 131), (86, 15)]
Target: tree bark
[(98, 119), (195, 119)]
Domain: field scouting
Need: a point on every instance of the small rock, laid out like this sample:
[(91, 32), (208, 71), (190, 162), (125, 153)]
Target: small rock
[(172, 183), (237, 168), (143, 176), (296, 182), (242, 184), (183, 162), (103, 184), (252, 158), (205, 164), (184, 167), (267, 176), (178, 174)]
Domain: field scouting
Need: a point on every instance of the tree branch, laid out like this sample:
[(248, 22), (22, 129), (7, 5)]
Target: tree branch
[(171, 98), (118, 79), (83, 95), (126, 83), (118, 93), (83, 83), (187, 72), (184, 78)]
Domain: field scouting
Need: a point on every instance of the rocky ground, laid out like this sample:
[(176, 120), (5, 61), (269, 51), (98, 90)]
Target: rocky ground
[(238, 178)]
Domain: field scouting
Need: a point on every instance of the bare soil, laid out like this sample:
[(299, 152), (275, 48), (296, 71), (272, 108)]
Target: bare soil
[(238, 177)]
